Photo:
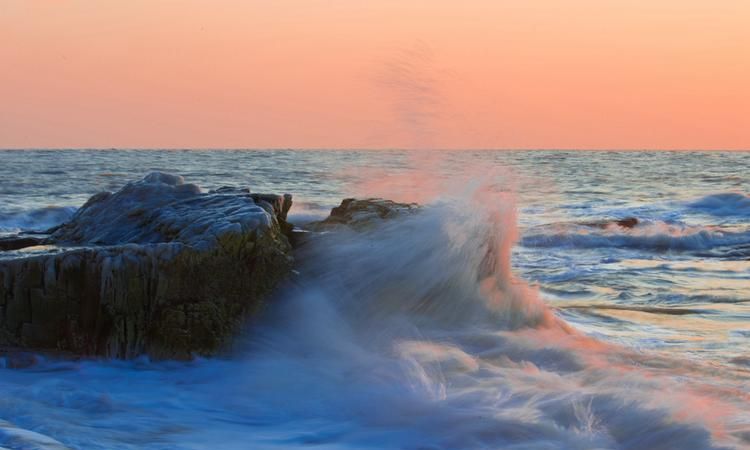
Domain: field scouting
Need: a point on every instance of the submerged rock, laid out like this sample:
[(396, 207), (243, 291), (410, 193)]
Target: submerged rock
[(156, 268), (627, 222), (362, 214)]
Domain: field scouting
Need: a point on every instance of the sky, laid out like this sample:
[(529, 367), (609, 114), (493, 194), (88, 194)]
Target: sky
[(573, 74)]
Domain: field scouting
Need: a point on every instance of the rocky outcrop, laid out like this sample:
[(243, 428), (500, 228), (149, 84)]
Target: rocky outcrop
[(157, 268), (363, 214), (19, 241)]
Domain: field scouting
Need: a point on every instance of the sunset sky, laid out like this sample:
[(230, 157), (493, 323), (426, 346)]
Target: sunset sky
[(662, 74)]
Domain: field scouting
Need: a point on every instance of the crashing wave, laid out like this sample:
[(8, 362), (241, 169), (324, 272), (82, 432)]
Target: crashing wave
[(414, 333)]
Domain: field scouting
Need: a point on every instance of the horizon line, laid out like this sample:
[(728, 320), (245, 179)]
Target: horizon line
[(450, 149)]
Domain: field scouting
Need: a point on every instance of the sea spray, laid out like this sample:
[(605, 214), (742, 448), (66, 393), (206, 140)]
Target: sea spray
[(414, 334), (427, 304)]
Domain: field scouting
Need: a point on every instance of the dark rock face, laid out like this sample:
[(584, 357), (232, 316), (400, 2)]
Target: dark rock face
[(18, 242), (628, 222), (156, 268), (361, 214)]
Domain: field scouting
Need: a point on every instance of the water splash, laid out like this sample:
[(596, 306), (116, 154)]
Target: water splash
[(410, 81), (414, 334)]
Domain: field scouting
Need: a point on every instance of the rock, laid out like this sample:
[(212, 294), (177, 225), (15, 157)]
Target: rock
[(362, 214), (18, 359), (156, 268), (628, 222), (19, 241)]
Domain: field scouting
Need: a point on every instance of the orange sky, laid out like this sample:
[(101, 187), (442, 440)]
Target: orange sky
[(386, 73)]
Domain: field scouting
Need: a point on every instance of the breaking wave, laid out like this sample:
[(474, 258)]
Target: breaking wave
[(414, 334), (653, 236)]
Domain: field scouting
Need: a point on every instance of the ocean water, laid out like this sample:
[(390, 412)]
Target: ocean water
[(514, 312)]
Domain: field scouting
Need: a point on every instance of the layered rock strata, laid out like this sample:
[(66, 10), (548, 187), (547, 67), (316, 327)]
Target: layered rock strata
[(156, 268)]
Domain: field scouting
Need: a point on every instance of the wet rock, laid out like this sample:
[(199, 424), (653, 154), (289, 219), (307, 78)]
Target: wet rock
[(18, 242), (364, 213), (627, 222), (156, 268), (18, 359)]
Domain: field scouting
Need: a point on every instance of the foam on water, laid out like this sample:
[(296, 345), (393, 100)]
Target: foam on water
[(656, 236), (415, 334)]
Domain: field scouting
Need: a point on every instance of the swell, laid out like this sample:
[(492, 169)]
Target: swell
[(654, 236), (646, 309), (725, 204)]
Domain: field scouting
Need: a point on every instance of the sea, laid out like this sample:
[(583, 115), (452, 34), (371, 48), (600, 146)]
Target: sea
[(538, 300)]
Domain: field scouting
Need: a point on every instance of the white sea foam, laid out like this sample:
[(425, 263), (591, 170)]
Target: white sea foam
[(413, 335)]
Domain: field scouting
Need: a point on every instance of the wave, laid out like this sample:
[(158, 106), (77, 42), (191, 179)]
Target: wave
[(727, 204), (40, 219), (414, 334), (305, 212), (655, 236), (672, 311)]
